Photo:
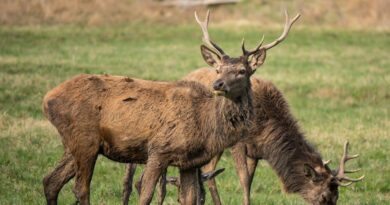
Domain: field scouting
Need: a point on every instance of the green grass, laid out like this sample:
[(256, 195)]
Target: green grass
[(336, 81)]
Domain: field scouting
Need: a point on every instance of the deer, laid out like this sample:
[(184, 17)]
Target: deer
[(159, 124), (276, 137)]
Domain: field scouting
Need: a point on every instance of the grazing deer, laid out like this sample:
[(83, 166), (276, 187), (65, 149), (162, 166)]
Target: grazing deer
[(128, 120), (204, 77), (276, 137)]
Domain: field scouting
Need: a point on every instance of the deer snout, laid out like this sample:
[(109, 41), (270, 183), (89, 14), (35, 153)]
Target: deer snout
[(218, 85)]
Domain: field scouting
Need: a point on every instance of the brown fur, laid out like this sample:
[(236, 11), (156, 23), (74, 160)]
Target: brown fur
[(276, 137), (131, 120)]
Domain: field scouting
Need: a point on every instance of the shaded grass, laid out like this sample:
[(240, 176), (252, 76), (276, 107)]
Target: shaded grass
[(336, 81)]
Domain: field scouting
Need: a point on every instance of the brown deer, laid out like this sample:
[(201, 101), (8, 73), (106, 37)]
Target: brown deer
[(128, 120), (204, 77), (276, 137)]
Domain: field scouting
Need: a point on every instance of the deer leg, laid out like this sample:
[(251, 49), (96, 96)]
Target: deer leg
[(162, 191), (85, 156), (189, 186), (201, 198), (152, 173), (128, 182), (211, 183), (239, 156), (251, 164), (54, 181), (139, 183)]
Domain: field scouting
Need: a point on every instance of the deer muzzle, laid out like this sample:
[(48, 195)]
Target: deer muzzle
[(220, 87)]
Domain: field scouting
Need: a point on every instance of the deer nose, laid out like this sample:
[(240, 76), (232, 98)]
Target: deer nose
[(218, 84)]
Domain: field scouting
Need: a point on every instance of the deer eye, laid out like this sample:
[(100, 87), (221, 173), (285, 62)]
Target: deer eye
[(242, 71)]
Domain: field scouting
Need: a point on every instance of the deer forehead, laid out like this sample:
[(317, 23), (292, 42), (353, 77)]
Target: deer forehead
[(232, 64)]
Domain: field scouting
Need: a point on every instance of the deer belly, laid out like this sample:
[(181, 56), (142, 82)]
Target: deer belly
[(123, 147), (193, 158), (125, 153)]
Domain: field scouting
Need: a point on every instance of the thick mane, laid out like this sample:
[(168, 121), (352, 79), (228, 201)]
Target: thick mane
[(220, 118), (285, 147)]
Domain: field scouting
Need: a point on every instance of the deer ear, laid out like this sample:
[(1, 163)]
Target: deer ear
[(310, 172), (210, 56), (257, 59)]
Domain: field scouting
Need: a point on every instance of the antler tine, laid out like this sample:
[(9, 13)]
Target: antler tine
[(352, 180), (326, 162), (351, 157), (206, 37), (246, 52), (341, 170), (352, 171), (344, 185), (287, 27)]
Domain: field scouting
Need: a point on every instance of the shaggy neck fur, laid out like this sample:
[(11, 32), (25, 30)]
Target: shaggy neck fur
[(287, 155), (232, 117), (219, 121), (284, 145), (224, 121)]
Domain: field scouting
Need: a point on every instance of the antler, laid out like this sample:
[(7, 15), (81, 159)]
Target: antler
[(287, 27), (206, 37), (326, 162), (248, 53), (340, 173)]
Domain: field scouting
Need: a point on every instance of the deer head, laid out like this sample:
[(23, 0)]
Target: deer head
[(233, 73), (323, 183)]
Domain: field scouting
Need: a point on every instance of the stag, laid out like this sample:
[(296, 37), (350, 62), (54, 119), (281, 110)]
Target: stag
[(129, 120), (276, 137)]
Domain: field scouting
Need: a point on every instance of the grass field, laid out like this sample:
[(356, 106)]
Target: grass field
[(336, 81)]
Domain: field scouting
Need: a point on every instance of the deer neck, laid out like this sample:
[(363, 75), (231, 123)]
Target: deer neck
[(230, 119), (287, 154)]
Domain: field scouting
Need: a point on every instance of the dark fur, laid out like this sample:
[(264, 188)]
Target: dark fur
[(275, 137)]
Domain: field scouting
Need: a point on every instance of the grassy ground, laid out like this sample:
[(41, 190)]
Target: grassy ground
[(337, 84)]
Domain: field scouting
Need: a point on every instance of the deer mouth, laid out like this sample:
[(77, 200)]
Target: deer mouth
[(219, 92)]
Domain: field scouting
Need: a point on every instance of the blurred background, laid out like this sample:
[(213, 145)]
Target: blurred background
[(363, 14), (334, 70)]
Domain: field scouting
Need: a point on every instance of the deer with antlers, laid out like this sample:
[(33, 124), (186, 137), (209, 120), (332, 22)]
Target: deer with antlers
[(182, 124), (276, 137)]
